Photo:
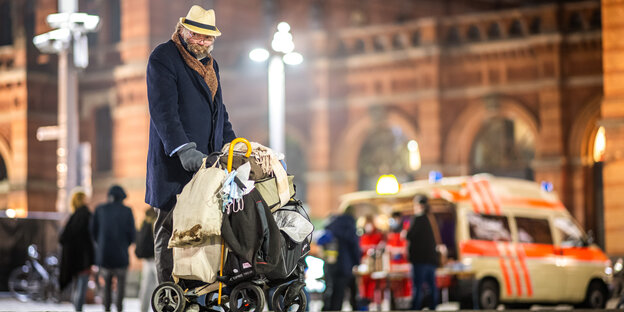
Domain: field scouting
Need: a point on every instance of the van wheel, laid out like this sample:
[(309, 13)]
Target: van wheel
[(488, 295), (596, 297)]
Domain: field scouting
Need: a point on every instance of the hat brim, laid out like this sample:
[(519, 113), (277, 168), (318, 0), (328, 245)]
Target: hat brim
[(200, 30)]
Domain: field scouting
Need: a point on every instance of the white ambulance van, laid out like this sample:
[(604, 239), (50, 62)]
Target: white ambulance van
[(508, 241)]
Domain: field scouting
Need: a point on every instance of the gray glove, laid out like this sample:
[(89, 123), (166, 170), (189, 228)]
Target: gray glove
[(190, 157)]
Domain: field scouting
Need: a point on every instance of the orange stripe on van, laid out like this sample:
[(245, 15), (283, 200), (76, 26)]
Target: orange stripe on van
[(525, 271), (501, 261), (477, 203), (532, 202), (486, 249), (512, 263), (483, 196), (495, 201)]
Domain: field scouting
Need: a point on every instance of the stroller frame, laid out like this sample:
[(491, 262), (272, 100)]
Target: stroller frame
[(245, 296)]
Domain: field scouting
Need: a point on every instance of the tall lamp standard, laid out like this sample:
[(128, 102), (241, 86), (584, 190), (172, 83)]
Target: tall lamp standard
[(282, 47), (69, 38)]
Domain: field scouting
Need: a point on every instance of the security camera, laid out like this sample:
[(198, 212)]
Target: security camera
[(53, 41)]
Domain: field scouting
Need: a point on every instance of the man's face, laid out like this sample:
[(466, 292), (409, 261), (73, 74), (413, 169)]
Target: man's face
[(200, 45)]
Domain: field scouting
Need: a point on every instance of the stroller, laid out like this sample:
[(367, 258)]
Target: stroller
[(255, 265)]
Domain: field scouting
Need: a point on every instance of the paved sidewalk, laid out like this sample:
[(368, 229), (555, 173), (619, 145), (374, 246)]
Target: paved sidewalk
[(8, 303)]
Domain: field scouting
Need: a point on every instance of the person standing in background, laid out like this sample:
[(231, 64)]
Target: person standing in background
[(422, 254), (145, 251), (343, 228), (78, 254), (113, 231)]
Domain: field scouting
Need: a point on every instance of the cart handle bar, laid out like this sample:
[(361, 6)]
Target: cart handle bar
[(231, 151)]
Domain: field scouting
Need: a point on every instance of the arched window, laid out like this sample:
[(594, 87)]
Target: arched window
[(384, 152), (504, 147), (599, 145)]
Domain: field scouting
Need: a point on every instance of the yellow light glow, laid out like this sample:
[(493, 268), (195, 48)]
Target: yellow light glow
[(387, 184), (414, 155), (600, 145), (10, 213)]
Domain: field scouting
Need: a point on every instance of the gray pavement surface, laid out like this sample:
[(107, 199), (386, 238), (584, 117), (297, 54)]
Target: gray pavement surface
[(8, 303)]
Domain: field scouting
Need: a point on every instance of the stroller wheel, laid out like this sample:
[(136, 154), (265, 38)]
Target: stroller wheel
[(247, 297), (168, 297), (296, 304)]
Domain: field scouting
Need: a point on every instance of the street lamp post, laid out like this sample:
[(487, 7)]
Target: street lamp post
[(282, 47), (71, 29)]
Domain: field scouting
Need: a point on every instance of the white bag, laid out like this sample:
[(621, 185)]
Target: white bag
[(198, 263), (197, 214)]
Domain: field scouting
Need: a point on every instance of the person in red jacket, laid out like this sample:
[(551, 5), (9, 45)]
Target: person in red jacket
[(369, 242)]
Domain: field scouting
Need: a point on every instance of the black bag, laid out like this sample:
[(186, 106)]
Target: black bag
[(294, 249), (145, 241)]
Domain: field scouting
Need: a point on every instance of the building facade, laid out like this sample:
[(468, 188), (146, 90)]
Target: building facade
[(514, 88)]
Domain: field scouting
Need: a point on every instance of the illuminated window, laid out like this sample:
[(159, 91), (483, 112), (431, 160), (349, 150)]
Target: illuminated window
[(599, 145)]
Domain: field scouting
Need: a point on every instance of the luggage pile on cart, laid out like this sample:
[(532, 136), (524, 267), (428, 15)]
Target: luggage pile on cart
[(237, 233)]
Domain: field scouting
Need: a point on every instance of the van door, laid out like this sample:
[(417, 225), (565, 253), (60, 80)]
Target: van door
[(540, 277), (579, 261)]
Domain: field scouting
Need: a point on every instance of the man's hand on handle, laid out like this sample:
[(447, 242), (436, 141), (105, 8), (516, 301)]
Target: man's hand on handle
[(190, 157)]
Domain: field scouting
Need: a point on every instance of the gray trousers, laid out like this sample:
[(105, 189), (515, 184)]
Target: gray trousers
[(163, 256), (108, 274)]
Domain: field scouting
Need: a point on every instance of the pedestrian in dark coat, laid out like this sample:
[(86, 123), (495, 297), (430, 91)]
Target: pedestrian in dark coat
[(188, 119), (339, 274), (422, 254), (113, 231), (77, 245)]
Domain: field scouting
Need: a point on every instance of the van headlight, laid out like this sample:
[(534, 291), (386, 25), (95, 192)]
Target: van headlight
[(608, 270)]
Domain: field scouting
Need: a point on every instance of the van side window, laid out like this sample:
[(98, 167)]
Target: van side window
[(533, 231), (489, 227), (570, 233)]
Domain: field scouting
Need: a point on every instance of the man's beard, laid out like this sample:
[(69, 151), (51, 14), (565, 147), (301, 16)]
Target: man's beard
[(200, 51)]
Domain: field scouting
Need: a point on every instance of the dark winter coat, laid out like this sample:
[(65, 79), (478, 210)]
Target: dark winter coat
[(422, 244), (113, 231), (343, 229), (182, 110), (77, 246)]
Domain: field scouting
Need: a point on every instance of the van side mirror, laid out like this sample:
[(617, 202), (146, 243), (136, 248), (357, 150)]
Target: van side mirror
[(589, 239)]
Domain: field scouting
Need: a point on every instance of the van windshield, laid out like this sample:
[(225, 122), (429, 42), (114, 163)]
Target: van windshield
[(569, 232)]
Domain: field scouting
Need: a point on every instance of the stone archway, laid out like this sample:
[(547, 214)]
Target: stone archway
[(586, 183), (459, 142)]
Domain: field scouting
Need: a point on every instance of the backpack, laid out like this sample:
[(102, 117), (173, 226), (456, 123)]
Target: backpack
[(145, 241)]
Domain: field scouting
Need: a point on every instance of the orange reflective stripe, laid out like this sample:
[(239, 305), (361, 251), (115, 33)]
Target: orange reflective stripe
[(532, 202), (512, 263), (501, 261), (493, 197), (483, 196), (525, 272), (477, 204)]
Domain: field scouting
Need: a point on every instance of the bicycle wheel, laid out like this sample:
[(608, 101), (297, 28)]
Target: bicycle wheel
[(25, 284)]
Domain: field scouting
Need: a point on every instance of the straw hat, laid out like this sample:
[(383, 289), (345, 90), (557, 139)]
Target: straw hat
[(200, 21)]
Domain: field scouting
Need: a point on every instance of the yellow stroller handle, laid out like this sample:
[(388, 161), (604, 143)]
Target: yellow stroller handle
[(229, 169), (231, 151)]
